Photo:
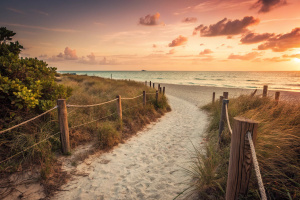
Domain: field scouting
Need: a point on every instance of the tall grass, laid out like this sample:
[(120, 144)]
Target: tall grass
[(277, 148), (107, 132)]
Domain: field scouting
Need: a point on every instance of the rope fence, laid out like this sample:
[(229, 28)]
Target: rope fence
[(241, 151), (62, 115)]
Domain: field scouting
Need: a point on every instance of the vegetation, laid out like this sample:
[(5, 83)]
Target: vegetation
[(28, 87), (277, 149)]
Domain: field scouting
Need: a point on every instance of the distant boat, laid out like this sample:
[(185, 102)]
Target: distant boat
[(143, 70)]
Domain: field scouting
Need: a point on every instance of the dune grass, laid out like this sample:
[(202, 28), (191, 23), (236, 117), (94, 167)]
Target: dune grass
[(104, 133), (277, 148)]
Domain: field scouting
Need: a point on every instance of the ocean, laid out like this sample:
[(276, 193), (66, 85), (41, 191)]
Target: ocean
[(287, 81)]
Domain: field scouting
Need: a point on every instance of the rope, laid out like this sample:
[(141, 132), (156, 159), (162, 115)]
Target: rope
[(28, 120), (227, 117), (256, 168), (132, 97), (91, 121), (85, 106), (29, 148)]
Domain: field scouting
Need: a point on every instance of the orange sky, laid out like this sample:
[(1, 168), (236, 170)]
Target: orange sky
[(191, 35)]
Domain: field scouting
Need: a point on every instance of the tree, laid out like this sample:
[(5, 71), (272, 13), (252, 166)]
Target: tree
[(26, 85)]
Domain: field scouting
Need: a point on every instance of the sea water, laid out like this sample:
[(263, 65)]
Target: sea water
[(288, 81)]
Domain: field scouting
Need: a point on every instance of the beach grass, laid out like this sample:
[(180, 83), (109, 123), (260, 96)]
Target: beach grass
[(104, 133), (277, 149)]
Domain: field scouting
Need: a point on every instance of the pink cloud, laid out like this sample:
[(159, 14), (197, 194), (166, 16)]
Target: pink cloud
[(189, 20), (226, 27), (248, 56), (268, 5), (205, 52), (150, 20), (178, 41), (251, 38)]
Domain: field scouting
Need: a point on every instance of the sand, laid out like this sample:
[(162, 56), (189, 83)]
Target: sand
[(151, 164)]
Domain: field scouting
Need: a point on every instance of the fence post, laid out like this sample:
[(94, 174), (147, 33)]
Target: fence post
[(164, 89), (240, 162), (225, 95), (221, 99), (222, 118), (63, 126), (119, 106), (265, 91), (277, 95), (153, 85), (159, 89), (150, 83), (144, 98), (156, 96), (213, 97)]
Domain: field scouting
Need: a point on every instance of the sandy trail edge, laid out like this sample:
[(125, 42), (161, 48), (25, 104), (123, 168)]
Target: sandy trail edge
[(148, 166)]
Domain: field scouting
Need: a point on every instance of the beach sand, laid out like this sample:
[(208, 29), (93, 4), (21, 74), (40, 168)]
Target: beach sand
[(151, 164)]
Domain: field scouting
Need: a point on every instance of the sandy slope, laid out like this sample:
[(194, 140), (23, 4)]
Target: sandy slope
[(148, 166)]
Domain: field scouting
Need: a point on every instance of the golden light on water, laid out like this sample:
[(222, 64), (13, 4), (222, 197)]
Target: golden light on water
[(297, 60)]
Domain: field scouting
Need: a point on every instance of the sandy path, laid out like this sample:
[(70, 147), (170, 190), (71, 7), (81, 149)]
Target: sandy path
[(148, 166)]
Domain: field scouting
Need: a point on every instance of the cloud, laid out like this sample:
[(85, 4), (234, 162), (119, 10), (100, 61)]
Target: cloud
[(205, 52), (201, 44), (154, 45), (282, 42), (150, 20), (178, 41), (41, 12), (291, 56), (251, 38), (172, 51), (276, 59), (43, 56), (16, 10), (189, 20), (248, 56), (226, 27), (41, 28), (268, 5), (68, 54)]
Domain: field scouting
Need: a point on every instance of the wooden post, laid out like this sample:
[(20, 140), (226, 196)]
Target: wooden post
[(119, 106), (164, 89), (277, 95), (265, 91), (158, 87), (144, 98), (160, 90), (213, 98), (63, 125), (240, 162), (153, 85), (222, 118), (156, 96), (221, 99), (225, 95), (150, 83)]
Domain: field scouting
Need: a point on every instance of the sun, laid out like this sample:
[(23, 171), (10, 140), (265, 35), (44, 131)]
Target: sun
[(297, 60)]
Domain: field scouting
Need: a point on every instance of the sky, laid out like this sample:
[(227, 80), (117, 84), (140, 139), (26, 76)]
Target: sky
[(158, 35)]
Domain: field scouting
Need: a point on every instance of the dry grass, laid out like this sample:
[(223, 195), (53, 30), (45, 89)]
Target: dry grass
[(277, 148), (107, 132)]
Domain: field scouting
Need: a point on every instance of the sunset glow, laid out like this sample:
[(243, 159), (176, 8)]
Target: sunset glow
[(195, 35)]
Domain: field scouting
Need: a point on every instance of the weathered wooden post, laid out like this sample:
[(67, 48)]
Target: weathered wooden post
[(221, 99), (213, 97), (144, 98), (160, 90), (164, 89), (156, 96), (63, 125), (240, 162), (119, 106), (158, 87), (265, 91), (150, 83), (225, 95), (222, 118), (153, 85), (277, 95)]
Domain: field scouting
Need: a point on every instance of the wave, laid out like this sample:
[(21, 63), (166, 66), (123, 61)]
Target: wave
[(159, 78), (297, 85), (199, 79), (252, 80)]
